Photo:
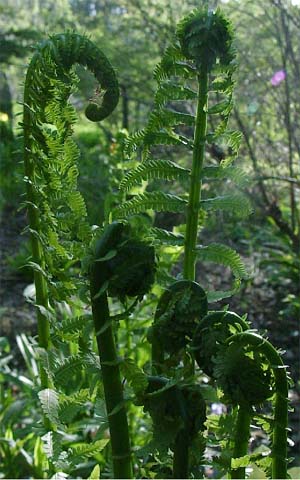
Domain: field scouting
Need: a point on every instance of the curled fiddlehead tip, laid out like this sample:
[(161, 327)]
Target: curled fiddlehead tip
[(206, 37), (211, 334), (61, 52), (245, 378), (123, 264), (178, 312)]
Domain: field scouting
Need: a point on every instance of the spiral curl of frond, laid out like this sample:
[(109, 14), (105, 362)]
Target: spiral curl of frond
[(211, 333), (206, 38), (245, 380), (178, 312), (57, 211), (123, 265)]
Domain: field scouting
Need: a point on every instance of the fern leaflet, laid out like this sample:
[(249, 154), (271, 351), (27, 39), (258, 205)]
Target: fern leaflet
[(162, 169)]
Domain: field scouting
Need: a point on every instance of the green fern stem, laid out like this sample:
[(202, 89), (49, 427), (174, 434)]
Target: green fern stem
[(111, 378), (195, 182), (181, 455), (279, 434), (181, 452), (241, 438), (36, 248)]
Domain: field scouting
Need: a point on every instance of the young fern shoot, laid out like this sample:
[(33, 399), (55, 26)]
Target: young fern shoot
[(59, 230)]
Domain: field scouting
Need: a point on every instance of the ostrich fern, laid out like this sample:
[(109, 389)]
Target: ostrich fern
[(60, 233)]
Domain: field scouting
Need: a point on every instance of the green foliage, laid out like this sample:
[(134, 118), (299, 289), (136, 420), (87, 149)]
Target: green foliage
[(211, 333), (206, 36), (173, 406), (244, 380), (178, 312), (125, 264), (122, 262)]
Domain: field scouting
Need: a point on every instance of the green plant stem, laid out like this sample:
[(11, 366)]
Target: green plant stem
[(181, 455), (113, 391), (181, 451), (195, 185), (36, 247), (279, 435), (241, 438)]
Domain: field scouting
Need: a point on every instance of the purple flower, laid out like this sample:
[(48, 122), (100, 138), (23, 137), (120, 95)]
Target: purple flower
[(278, 77)]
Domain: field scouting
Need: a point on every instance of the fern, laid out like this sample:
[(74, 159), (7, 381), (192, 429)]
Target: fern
[(158, 201), (165, 237), (162, 169), (218, 253), (237, 204), (50, 404), (235, 174)]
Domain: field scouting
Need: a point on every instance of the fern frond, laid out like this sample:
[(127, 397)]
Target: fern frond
[(217, 295), (165, 138), (67, 368), (158, 201), (50, 404), (162, 169), (164, 117), (224, 255), (166, 237), (235, 174), (78, 453), (173, 64), (237, 204), (223, 107), (170, 91)]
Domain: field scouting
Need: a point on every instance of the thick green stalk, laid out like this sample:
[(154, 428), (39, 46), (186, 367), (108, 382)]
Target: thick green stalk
[(279, 435), (195, 185), (181, 455), (241, 438), (113, 391), (181, 452)]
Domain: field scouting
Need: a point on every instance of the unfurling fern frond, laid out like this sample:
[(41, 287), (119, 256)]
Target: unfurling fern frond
[(51, 155), (173, 408), (178, 312), (123, 265), (243, 379), (211, 333), (206, 36), (162, 169)]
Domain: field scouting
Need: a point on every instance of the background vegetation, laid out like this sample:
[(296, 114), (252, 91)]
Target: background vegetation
[(134, 34)]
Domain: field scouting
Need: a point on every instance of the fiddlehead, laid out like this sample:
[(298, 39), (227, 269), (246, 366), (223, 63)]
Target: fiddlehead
[(123, 265), (211, 333), (57, 213), (263, 352), (243, 381), (178, 313)]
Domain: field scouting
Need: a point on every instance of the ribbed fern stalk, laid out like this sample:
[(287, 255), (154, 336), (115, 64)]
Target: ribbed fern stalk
[(205, 38), (59, 230)]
